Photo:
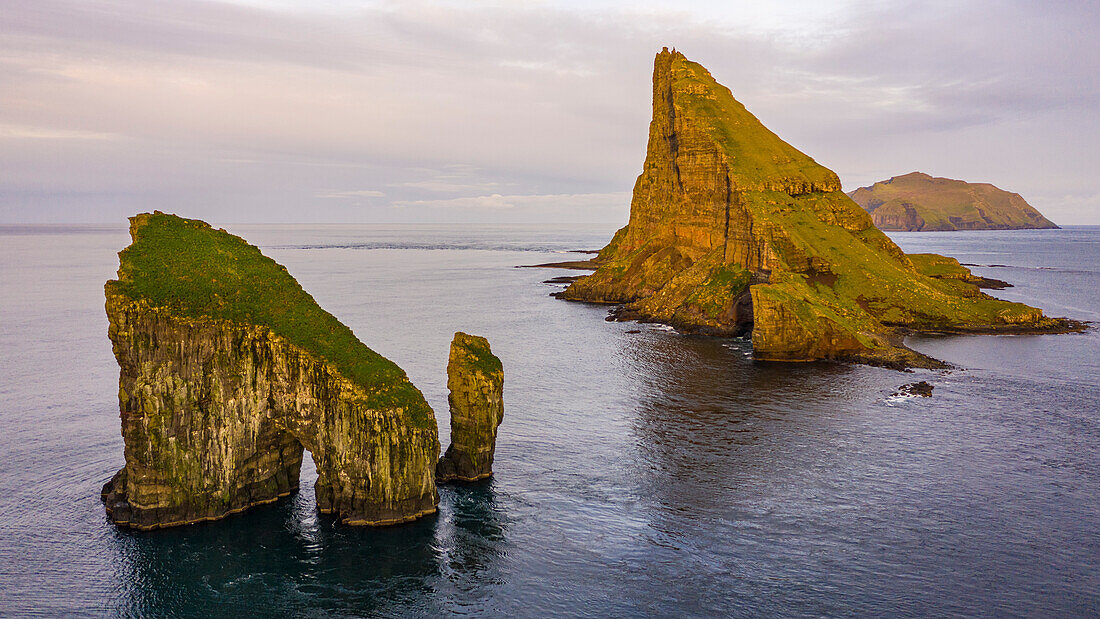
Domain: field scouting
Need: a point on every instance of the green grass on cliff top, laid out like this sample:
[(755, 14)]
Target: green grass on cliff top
[(481, 357), (190, 268), (757, 155)]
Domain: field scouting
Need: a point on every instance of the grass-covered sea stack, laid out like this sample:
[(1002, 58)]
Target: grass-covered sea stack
[(475, 377), (229, 369)]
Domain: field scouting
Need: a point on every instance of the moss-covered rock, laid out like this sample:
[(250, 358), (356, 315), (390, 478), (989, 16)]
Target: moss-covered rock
[(475, 378), (228, 369), (733, 230)]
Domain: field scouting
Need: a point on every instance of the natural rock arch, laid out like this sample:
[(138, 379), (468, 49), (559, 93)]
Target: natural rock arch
[(217, 422), (228, 369)]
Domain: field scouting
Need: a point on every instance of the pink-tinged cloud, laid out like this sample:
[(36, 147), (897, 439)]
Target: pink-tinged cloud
[(268, 112)]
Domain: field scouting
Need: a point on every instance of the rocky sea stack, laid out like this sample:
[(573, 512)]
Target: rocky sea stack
[(229, 370), (475, 378), (917, 202), (733, 231)]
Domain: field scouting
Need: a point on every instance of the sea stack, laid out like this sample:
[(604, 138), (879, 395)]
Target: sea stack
[(475, 378), (733, 231), (229, 369), (917, 202)]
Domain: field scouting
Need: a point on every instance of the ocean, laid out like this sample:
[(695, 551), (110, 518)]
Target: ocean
[(649, 473)]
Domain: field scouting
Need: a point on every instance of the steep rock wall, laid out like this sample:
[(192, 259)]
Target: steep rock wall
[(229, 369), (215, 416)]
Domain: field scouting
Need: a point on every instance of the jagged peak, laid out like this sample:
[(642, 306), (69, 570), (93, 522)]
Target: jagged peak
[(758, 158)]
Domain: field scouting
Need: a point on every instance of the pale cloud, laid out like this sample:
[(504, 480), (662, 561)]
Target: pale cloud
[(16, 132), (441, 184), (452, 178), (548, 202), (266, 110), (360, 193)]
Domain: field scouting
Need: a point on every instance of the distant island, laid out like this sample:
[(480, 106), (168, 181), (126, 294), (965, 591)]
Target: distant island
[(229, 371), (734, 232), (918, 202)]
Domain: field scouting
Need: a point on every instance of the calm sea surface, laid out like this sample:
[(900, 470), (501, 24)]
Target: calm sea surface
[(636, 474)]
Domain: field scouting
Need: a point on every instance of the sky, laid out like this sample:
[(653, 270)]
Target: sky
[(243, 111)]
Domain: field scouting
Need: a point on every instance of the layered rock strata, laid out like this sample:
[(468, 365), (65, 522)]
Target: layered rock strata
[(229, 370), (918, 202), (475, 378), (733, 231)]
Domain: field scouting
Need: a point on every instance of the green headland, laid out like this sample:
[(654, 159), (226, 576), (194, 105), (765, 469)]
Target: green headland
[(917, 202), (733, 231)]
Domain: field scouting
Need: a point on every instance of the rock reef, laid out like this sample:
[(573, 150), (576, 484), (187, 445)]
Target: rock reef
[(229, 370), (733, 231), (475, 378), (922, 389), (918, 202)]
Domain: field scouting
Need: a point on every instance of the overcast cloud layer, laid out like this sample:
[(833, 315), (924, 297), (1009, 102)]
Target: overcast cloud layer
[(271, 111)]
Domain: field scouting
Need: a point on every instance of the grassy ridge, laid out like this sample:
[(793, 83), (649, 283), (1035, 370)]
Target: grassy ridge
[(948, 204), (198, 272)]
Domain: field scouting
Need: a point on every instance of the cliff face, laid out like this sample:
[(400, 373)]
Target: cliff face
[(228, 370), (733, 231), (475, 378), (919, 202)]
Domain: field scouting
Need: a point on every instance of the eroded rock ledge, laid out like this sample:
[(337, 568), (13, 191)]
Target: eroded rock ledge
[(733, 231), (229, 371)]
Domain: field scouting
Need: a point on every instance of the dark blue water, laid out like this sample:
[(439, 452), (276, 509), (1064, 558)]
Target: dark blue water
[(637, 474)]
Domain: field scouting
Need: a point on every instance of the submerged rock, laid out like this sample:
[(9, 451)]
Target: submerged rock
[(922, 389), (476, 379), (918, 202), (733, 231), (229, 369)]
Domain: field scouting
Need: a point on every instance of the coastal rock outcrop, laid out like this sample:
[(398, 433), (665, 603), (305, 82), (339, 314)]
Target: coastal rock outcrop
[(733, 231), (918, 202), (229, 370), (475, 378), (922, 389)]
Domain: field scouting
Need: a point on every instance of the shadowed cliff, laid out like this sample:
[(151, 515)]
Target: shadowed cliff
[(732, 231)]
